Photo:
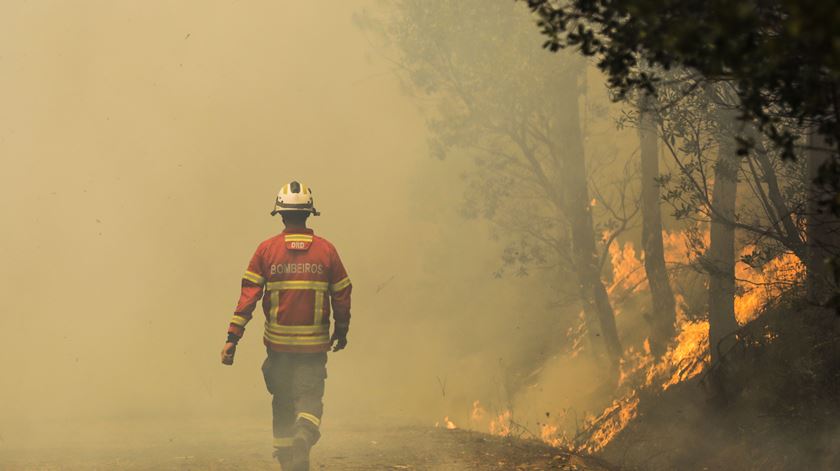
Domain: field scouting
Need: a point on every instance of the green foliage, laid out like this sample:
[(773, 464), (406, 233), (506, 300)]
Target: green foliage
[(783, 56)]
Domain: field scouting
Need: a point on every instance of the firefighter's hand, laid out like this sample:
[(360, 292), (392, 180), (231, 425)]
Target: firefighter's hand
[(338, 342), (227, 353)]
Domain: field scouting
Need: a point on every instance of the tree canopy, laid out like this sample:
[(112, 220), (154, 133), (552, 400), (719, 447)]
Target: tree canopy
[(782, 55)]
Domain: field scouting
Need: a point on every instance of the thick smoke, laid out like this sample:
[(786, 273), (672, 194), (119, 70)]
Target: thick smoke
[(142, 147)]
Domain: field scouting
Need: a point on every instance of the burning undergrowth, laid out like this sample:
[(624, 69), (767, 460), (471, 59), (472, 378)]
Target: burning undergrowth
[(768, 404), (642, 377)]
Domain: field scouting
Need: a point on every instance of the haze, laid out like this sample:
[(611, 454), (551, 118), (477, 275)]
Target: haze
[(142, 146)]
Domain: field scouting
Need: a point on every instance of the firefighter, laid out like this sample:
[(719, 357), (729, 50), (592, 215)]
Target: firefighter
[(298, 275)]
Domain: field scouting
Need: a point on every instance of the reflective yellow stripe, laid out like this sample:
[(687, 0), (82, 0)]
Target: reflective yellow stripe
[(253, 277), (284, 442), (239, 320), (298, 341), (297, 329), (279, 333), (299, 336), (303, 341), (340, 285), (307, 416), (299, 237), (319, 308), (298, 284), (274, 307)]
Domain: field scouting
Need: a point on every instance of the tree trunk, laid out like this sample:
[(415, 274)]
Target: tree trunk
[(783, 214), (821, 227), (720, 256), (663, 308), (593, 294), (578, 210)]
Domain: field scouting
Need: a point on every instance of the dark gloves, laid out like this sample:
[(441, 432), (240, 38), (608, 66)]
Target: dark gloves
[(229, 350), (339, 337)]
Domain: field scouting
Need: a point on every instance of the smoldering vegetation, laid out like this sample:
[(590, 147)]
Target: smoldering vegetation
[(529, 257)]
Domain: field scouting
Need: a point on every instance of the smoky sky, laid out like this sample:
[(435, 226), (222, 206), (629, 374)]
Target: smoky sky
[(142, 144)]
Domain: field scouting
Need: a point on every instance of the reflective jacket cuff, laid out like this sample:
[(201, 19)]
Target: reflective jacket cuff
[(236, 330)]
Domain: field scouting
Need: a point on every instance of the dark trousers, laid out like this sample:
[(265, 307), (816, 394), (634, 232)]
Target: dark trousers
[(296, 382)]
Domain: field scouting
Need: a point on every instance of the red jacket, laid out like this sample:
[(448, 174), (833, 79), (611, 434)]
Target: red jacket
[(300, 273)]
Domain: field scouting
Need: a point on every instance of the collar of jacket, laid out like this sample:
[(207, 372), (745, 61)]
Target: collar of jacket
[(298, 231)]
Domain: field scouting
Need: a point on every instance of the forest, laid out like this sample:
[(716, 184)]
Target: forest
[(669, 170), (592, 235)]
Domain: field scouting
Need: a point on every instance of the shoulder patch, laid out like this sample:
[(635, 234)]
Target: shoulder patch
[(298, 241)]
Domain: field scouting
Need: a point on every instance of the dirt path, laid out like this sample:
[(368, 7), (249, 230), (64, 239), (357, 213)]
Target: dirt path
[(405, 448)]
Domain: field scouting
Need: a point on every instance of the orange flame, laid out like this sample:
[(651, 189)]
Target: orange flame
[(550, 434), (760, 286), (450, 425), (501, 425), (478, 412), (756, 287), (685, 358), (611, 422), (627, 266), (678, 246)]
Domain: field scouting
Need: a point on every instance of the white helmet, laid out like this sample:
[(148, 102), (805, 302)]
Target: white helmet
[(295, 197)]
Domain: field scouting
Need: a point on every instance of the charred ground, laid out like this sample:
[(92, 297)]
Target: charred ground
[(361, 449)]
